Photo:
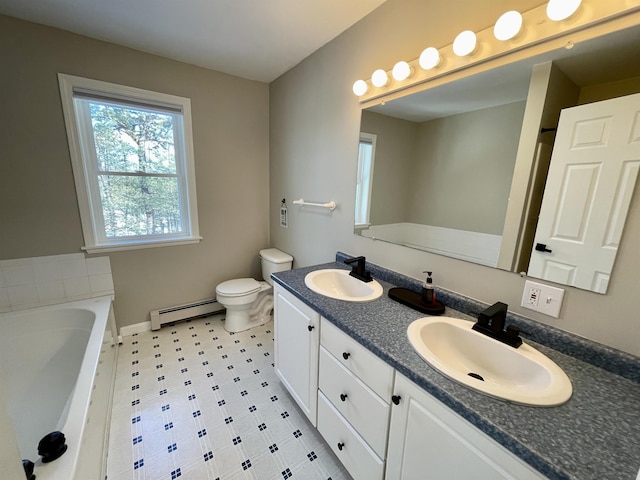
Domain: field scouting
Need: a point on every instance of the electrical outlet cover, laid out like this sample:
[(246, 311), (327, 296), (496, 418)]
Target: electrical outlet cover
[(549, 299)]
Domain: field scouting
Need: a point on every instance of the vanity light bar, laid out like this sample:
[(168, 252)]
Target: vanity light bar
[(464, 51)]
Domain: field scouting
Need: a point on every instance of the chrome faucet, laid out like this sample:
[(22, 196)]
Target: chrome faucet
[(358, 270), (491, 323)]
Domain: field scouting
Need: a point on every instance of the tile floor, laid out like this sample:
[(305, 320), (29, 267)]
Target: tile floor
[(194, 401)]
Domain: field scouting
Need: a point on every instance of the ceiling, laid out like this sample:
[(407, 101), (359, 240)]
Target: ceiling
[(254, 39)]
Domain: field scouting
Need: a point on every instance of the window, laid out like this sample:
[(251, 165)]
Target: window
[(132, 156), (364, 180)]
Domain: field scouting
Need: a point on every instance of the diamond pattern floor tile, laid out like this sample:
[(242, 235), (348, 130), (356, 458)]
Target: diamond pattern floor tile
[(195, 402)]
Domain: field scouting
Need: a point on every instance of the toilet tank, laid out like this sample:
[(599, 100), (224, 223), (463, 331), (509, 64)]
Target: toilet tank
[(273, 260)]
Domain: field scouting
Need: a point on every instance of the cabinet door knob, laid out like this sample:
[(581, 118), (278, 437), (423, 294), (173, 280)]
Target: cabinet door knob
[(310, 327), (346, 355), (396, 399), (343, 397), (340, 446)]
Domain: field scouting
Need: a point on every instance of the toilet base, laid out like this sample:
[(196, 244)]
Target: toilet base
[(239, 323), (241, 319)]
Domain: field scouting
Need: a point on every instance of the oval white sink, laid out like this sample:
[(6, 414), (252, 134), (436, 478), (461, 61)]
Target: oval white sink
[(520, 375), (338, 284)]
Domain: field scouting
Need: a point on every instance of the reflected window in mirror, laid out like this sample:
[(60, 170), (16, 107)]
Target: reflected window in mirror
[(366, 157)]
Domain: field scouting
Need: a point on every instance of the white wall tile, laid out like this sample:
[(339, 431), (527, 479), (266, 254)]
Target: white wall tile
[(5, 305), (58, 258), (98, 265), (101, 283), (47, 272), (74, 269), (76, 287), (32, 282), (23, 295), (15, 262), (50, 291), (18, 275)]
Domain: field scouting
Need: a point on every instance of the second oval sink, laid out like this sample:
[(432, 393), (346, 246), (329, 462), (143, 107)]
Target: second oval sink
[(338, 284), (520, 375)]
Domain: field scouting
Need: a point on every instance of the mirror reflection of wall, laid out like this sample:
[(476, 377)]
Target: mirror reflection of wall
[(416, 162), (469, 201)]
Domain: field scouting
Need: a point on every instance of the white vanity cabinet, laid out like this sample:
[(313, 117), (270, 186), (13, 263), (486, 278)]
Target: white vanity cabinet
[(296, 343), (429, 440), (355, 389), (377, 422)]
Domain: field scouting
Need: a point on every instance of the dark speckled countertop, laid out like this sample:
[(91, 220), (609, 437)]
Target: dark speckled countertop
[(595, 435)]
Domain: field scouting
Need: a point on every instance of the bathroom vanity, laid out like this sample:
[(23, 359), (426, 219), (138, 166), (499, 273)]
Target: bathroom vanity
[(387, 414)]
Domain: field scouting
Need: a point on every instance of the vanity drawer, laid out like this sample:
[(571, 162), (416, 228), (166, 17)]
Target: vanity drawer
[(359, 405), (354, 453), (374, 372)]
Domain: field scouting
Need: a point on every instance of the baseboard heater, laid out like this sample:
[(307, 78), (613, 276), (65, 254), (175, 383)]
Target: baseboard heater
[(184, 312)]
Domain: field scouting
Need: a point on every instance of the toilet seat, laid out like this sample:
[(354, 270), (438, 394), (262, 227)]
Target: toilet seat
[(238, 287)]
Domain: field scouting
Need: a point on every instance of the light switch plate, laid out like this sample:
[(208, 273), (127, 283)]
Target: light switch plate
[(542, 298)]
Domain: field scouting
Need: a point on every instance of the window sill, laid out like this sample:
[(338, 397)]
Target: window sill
[(116, 247)]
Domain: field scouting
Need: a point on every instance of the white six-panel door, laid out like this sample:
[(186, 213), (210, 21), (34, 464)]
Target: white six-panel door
[(594, 166)]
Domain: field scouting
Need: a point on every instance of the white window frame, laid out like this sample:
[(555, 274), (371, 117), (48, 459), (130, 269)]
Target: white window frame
[(363, 198), (84, 162)]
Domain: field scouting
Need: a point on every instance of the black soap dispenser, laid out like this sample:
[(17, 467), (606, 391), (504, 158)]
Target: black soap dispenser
[(428, 291)]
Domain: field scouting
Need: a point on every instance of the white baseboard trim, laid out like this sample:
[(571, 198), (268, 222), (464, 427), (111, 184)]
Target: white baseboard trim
[(135, 328)]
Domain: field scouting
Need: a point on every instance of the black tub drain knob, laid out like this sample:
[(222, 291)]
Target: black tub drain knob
[(52, 446)]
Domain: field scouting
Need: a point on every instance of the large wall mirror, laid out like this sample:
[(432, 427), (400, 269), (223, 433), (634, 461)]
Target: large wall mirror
[(438, 169)]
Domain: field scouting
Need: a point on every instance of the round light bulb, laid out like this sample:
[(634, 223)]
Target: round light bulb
[(360, 87), (508, 25), (429, 58), (562, 9), (401, 71), (465, 43), (379, 78)]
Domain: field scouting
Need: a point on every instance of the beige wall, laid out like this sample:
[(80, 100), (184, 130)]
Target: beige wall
[(595, 93), (463, 168), (314, 122), (38, 208)]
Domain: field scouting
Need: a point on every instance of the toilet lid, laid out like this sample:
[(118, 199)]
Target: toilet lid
[(238, 287), (274, 255)]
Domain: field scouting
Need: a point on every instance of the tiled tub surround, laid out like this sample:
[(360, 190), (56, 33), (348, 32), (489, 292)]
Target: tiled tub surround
[(58, 365), (38, 281), (595, 435)]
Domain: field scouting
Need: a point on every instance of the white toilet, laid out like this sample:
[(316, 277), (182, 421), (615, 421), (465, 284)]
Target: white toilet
[(249, 303)]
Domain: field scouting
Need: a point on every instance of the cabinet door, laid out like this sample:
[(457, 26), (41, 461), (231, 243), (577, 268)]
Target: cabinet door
[(297, 341), (428, 441)]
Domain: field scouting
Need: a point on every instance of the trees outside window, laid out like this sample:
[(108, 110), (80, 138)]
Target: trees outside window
[(133, 164)]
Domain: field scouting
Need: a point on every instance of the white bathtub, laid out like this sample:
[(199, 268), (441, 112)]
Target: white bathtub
[(482, 248), (49, 357)]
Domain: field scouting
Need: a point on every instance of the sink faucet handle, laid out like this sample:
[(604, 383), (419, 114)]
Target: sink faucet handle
[(513, 334)]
